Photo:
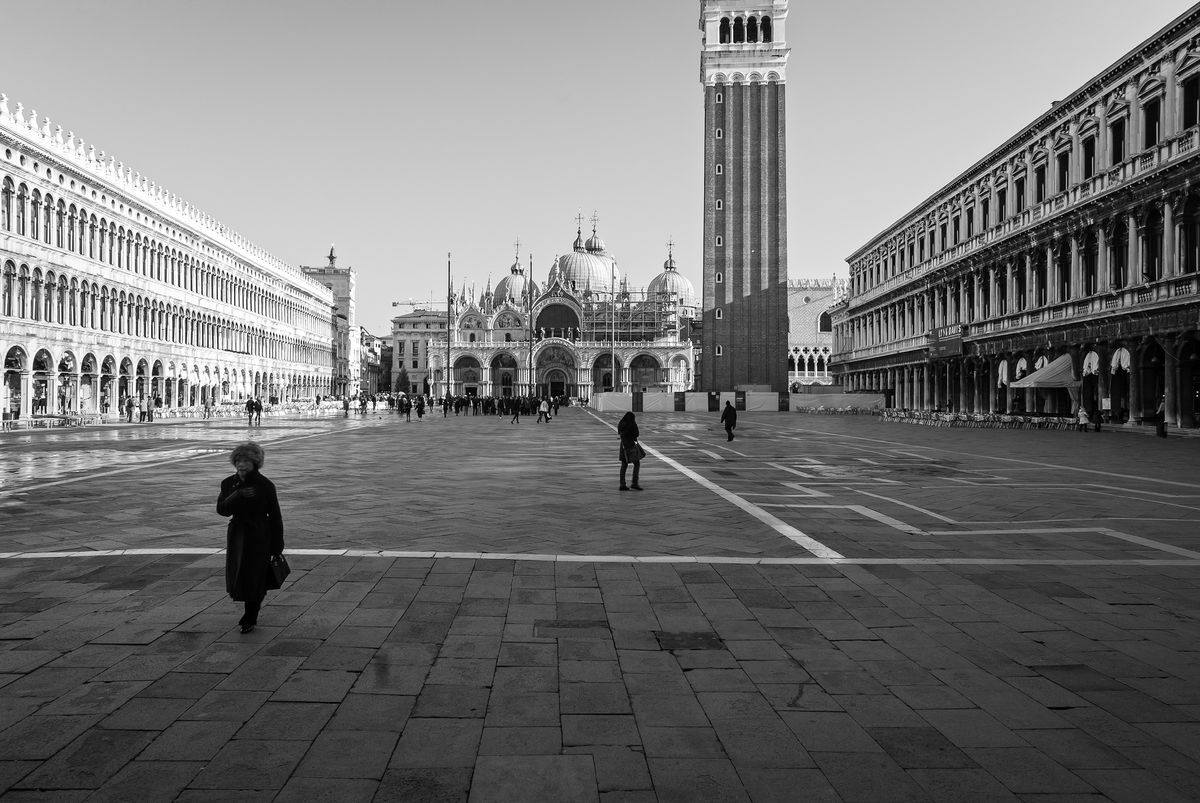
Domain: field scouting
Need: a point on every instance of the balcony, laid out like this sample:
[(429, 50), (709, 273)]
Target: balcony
[(1162, 293), (1167, 152)]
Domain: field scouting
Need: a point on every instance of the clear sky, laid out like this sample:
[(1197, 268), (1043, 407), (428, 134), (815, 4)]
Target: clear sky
[(401, 131)]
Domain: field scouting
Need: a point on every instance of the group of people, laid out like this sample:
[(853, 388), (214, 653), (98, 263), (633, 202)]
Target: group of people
[(145, 407)]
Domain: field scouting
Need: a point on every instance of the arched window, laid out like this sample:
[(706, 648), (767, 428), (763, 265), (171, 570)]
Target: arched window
[(720, 169), (720, 241), (752, 29), (6, 205), (720, 133), (765, 28), (35, 208), (22, 203), (720, 314), (723, 35), (825, 323), (739, 30), (719, 351), (60, 221)]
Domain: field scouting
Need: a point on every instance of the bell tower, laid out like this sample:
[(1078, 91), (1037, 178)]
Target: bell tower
[(743, 67)]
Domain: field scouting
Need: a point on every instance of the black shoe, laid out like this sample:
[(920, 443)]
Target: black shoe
[(247, 628), (623, 488)]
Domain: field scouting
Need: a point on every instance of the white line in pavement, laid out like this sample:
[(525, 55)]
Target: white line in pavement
[(883, 518), (929, 513), (783, 528), (648, 559), (1008, 459), (713, 455)]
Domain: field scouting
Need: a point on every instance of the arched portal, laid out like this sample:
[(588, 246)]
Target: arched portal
[(603, 375), (43, 374), (11, 392), (556, 375), (645, 374), (465, 379), (557, 320), (504, 374)]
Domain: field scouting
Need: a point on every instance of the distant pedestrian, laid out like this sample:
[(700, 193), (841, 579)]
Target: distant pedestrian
[(143, 406), (249, 412), (1160, 418), (258, 412), (631, 450), (255, 532), (729, 419), (516, 419), (543, 412), (128, 409)]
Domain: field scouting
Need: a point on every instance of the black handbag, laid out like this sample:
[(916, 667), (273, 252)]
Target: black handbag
[(639, 454), (279, 571)]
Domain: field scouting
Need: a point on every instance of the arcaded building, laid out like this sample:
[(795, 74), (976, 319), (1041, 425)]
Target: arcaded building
[(743, 67), (1080, 235), (111, 286), (810, 331)]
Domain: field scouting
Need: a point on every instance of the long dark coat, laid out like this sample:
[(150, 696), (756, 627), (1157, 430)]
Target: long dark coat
[(627, 428), (255, 534)]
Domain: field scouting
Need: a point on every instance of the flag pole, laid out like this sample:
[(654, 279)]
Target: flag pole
[(449, 302)]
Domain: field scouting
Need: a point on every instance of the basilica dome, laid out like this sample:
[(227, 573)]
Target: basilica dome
[(585, 269), (671, 281), (514, 285)]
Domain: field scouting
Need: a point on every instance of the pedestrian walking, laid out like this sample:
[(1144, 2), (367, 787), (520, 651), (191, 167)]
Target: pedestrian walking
[(631, 450), (258, 412), (142, 408), (249, 412), (1160, 418), (255, 532), (128, 409), (543, 412), (729, 419), (516, 418)]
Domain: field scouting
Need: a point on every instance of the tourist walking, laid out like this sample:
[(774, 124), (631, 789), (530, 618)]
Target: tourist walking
[(543, 412), (631, 450), (255, 532), (128, 409), (258, 411), (143, 406), (729, 419), (1160, 418), (249, 412)]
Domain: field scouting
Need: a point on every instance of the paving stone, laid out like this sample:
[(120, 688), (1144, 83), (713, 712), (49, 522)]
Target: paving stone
[(590, 729), (427, 743), (288, 720), (520, 740), (328, 790), (372, 712), (359, 754), (593, 698), (40, 737), (1025, 770), (680, 742), (833, 732), (617, 767), (147, 780), (685, 780), (89, 761), (450, 701), (251, 764), (146, 713), (186, 741), (920, 748), (867, 777), (315, 686), (532, 709), (569, 779), (955, 785)]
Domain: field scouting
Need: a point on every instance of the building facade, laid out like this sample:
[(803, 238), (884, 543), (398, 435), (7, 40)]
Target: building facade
[(563, 338), (349, 361), (743, 67), (416, 336), (1080, 235), (112, 287), (810, 331)]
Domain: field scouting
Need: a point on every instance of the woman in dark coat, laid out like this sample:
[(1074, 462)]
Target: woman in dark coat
[(627, 428), (255, 531)]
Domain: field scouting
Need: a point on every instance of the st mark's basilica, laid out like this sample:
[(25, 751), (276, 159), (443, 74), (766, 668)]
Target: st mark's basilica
[(563, 337)]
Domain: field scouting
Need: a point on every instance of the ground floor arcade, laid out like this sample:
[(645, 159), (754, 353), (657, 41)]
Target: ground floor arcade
[(52, 379), (1121, 379)]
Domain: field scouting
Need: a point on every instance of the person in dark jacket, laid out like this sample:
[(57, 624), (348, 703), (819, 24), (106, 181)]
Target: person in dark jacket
[(729, 419), (255, 532), (627, 429)]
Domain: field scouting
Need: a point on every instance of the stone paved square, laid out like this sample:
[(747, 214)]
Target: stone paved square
[(874, 611)]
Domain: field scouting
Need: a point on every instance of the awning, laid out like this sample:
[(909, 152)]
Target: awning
[(1058, 374)]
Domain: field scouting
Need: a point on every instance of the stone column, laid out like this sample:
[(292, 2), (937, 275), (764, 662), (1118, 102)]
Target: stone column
[(964, 400), (1103, 279), (1133, 265), (1051, 276), (1170, 383), (1077, 290), (1169, 238)]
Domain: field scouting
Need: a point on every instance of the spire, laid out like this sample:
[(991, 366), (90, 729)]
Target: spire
[(332, 257)]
